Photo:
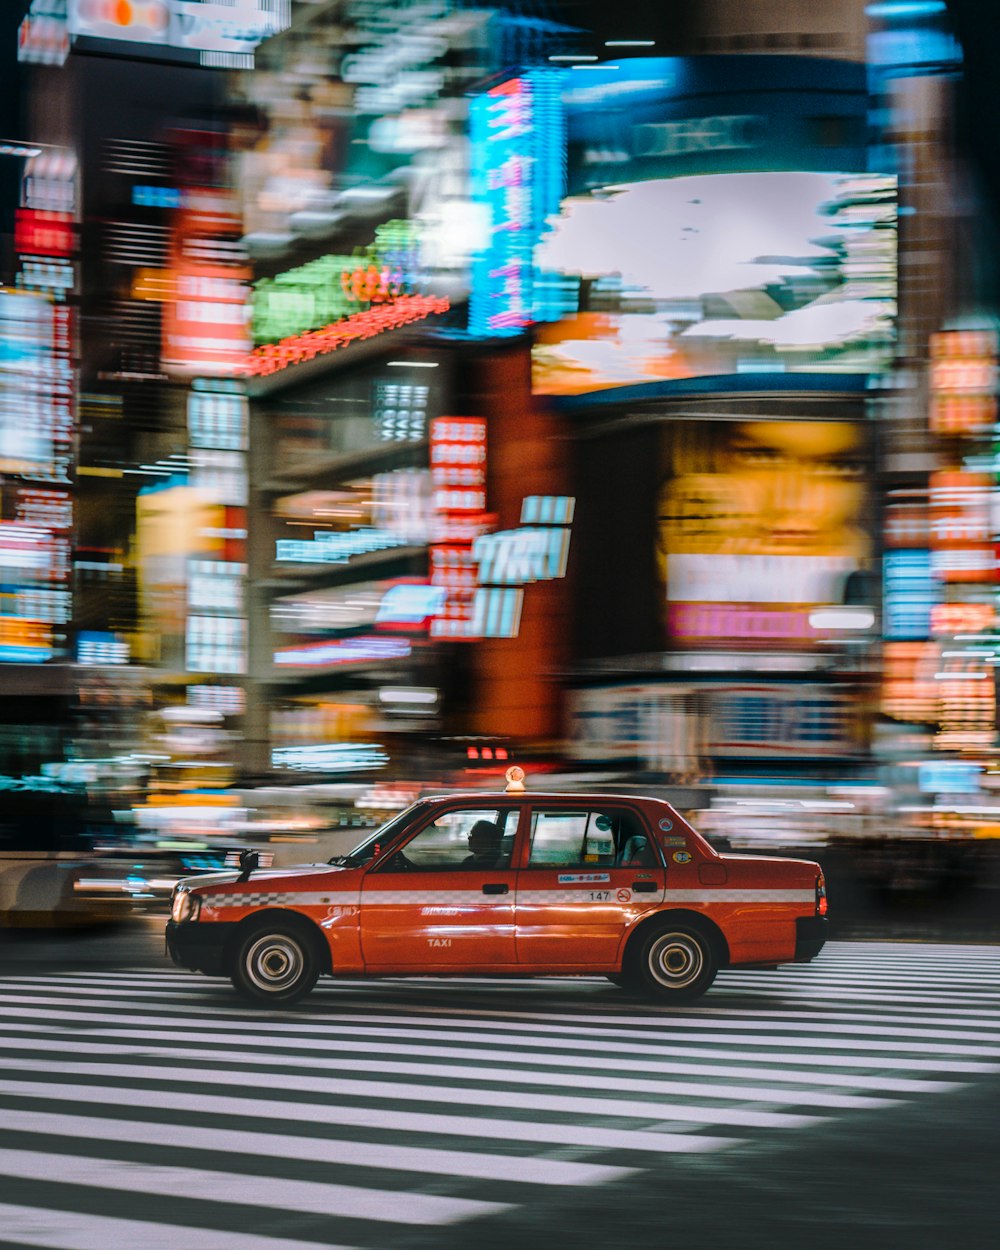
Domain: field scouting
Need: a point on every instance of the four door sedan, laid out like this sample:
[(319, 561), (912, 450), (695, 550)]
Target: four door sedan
[(514, 884)]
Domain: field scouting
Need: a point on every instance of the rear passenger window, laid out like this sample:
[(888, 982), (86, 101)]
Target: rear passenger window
[(594, 837)]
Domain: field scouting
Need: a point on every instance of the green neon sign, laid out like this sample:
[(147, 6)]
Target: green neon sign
[(334, 287)]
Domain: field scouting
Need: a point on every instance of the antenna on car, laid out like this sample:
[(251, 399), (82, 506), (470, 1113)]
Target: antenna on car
[(515, 780)]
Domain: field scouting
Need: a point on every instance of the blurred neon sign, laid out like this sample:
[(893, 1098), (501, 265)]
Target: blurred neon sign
[(41, 233), (336, 547), (963, 376), (410, 605), (43, 38), (205, 318), (273, 357), (24, 642), (948, 619), (518, 176), (961, 545), (708, 620), (337, 651), (233, 26), (909, 594), (511, 559), (700, 134), (333, 286), (336, 757), (514, 557), (458, 482)]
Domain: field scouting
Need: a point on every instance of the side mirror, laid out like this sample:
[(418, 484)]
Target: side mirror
[(249, 861)]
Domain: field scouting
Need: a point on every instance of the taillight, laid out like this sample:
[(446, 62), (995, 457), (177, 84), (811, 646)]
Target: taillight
[(820, 895)]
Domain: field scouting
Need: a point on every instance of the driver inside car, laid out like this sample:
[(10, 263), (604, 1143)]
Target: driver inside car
[(484, 846)]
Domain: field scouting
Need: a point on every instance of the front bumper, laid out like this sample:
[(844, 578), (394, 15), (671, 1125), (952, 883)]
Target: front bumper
[(199, 946), (810, 937)]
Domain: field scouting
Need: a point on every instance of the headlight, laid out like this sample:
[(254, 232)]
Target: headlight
[(185, 906)]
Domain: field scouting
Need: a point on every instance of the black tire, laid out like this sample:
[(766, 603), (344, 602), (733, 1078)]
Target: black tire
[(674, 962), (621, 979), (275, 963)]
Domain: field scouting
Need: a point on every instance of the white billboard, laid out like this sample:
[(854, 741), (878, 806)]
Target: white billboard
[(198, 25)]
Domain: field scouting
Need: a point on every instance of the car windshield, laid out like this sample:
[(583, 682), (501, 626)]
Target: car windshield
[(382, 836)]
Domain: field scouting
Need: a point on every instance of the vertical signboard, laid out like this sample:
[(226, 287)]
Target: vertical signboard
[(518, 175), (216, 623), (458, 484), (37, 414), (963, 381), (206, 315), (206, 322), (962, 549)]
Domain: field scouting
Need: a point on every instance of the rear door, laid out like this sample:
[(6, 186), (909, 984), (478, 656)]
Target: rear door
[(441, 901), (591, 870)]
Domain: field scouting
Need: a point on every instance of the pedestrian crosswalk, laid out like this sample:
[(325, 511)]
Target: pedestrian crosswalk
[(151, 1108)]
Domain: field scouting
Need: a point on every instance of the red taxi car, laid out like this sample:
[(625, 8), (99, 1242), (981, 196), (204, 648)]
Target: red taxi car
[(511, 884)]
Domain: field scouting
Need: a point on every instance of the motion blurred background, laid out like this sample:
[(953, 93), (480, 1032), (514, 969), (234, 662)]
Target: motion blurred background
[(391, 392)]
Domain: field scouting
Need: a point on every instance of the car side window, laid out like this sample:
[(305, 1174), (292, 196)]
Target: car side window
[(589, 837), (467, 840)]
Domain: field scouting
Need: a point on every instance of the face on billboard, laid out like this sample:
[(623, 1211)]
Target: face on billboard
[(720, 274), (757, 521)]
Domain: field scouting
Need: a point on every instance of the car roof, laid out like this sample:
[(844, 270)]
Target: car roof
[(546, 796)]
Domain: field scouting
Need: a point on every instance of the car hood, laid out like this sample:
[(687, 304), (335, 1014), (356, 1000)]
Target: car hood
[(260, 877)]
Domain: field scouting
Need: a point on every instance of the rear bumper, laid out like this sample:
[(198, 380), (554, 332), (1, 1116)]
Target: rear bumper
[(810, 937), (199, 946)]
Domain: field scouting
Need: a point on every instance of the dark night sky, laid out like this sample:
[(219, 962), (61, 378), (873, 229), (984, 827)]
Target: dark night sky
[(977, 24), (11, 125)]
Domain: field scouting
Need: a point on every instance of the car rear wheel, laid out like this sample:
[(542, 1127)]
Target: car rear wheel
[(276, 964), (622, 979), (675, 962)]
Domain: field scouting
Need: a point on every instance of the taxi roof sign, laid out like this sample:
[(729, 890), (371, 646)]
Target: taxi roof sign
[(515, 780)]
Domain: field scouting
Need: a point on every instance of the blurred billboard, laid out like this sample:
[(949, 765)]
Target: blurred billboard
[(665, 117), (215, 33), (721, 274), (720, 219), (734, 544), (758, 524)]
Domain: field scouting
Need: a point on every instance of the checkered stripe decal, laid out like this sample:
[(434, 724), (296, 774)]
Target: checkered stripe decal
[(588, 895), (444, 898), (593, 896), (284, 898), (740, 896)]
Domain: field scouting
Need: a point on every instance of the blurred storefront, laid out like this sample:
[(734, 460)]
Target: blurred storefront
[(394, 461), (407, 528)]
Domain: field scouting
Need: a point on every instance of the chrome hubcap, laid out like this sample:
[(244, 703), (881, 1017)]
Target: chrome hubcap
[(676, 960), (274, 962)]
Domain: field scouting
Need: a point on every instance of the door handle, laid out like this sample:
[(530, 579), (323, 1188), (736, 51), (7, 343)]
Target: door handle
[(496, 887), (644, 887)]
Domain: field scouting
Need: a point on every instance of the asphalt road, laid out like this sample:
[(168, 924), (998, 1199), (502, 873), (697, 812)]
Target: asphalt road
[(851, 1102)]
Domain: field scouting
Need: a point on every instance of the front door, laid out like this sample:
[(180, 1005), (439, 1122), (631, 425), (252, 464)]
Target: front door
[(445, 900), (591, 872)]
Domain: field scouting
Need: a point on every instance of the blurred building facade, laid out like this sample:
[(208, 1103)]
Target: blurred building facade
[(416, 387)]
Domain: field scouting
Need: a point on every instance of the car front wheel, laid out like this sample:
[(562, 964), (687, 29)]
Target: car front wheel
[(275, 964), (676, 963)]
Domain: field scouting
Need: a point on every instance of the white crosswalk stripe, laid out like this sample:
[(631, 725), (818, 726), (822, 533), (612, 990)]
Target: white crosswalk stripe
[(146, 1108)]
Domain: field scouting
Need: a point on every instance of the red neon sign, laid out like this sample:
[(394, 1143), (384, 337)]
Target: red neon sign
[(458, 476), (41, 233), (272, 357)]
